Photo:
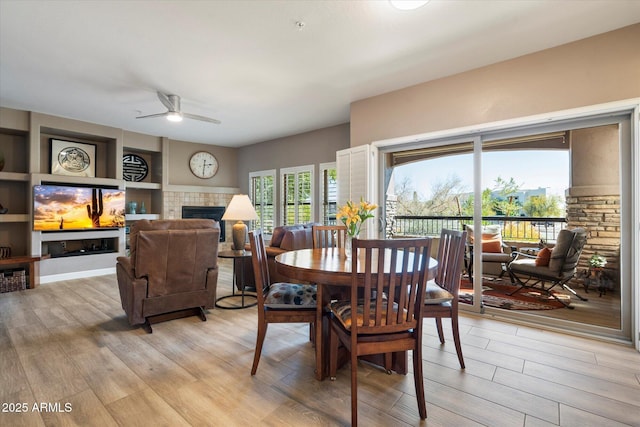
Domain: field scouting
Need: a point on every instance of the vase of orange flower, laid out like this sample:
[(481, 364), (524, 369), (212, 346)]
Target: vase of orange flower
[(353, 216)]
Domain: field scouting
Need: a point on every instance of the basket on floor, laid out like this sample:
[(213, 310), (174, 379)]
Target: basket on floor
[(13, 280)]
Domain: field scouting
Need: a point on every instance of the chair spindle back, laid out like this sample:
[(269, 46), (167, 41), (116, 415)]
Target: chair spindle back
[(329, 236), (398, 295)]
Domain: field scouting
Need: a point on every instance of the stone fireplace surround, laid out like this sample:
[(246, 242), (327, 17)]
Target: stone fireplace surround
[(173, 201)]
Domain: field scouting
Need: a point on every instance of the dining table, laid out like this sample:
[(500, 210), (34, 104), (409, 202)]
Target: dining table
[(331, 271)]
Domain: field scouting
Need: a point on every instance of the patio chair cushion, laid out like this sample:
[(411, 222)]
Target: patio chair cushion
[(543, 257), (496, 257), (290, 295), (491, 246), (491, 238), (342, 311), (528, 267), (436, 295), (560, 250)]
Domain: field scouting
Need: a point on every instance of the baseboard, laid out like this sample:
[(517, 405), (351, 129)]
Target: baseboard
[(76, 275)]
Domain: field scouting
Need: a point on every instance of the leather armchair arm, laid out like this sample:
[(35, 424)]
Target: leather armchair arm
[(132, 290), (126, 265)]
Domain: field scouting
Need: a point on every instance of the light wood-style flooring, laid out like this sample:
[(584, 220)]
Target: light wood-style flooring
[(68, 345)]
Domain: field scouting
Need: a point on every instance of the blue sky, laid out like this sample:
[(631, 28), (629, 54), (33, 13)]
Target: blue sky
[(532, 169)]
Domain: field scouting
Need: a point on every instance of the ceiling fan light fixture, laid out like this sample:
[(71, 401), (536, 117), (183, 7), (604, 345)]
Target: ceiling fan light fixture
[(174, 116), (408, 4)]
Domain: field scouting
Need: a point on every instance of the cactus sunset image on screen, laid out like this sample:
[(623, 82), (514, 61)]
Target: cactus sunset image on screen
[(59, 207)]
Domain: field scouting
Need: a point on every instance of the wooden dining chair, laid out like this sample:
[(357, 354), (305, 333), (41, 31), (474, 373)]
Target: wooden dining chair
[(329, 236), (277, 302), (441, 300), (388, 309)]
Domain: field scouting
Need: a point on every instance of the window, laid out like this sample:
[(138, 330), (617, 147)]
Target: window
[(297, 195), (328, 193), (262, 194)]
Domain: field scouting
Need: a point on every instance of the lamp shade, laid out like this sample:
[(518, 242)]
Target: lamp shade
[(240, 208)]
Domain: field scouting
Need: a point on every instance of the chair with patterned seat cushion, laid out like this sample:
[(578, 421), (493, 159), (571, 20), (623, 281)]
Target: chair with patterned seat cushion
[(441, 299), (277, 302), (388, 314)]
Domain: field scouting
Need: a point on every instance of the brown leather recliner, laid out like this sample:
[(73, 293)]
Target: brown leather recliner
[(172, 267)]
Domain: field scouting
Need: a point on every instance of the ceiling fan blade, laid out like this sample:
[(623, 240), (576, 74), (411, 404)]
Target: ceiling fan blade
[(202, 118), (166, 101), (153, 115)]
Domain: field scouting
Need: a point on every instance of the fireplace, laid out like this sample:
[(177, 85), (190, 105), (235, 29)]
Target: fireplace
[(208, 212)]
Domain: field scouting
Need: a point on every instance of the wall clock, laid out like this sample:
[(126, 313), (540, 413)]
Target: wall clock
[(134, 168), (203, 164)]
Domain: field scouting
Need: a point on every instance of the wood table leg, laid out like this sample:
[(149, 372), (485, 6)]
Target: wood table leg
[(320, 333)]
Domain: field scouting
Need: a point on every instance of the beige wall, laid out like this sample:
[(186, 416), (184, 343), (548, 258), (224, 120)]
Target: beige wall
[(318, 146), (179, 173), (595, 161), (14, 119), (596, 70), (310, 148), (142, 141)]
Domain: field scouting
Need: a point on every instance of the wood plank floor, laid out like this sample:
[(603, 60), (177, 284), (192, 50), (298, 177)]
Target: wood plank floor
[(68, 343), (600, 310)]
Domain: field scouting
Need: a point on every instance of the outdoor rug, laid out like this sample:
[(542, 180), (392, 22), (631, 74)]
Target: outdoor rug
[(495, 294)]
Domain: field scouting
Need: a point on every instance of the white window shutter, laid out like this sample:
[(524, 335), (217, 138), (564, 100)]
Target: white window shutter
[(357, 177)]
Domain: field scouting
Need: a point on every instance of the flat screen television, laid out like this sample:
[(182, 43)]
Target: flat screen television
[(64, 208)]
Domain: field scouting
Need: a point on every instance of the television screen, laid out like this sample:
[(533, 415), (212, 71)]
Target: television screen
[(61, 207)]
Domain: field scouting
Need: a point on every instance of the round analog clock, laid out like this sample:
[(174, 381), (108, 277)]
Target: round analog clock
[(203, 164)]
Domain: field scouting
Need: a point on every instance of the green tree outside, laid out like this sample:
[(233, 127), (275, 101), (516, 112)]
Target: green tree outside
[(542, 206)]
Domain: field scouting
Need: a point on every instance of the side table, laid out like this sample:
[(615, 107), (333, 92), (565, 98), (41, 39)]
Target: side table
[(239, 258)]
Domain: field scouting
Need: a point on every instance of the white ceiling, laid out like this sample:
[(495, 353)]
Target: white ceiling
[(249, 65)]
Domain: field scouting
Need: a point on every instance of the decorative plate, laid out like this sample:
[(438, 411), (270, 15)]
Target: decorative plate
[(74, 159), (134, 168)]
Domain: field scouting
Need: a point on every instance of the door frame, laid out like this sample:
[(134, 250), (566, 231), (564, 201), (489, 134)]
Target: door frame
[(594, 115)]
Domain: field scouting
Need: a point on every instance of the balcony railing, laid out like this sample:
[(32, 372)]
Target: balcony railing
[(524, 229)]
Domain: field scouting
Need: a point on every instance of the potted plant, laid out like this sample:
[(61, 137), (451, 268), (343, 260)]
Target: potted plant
[(353, 216), (597, 262)]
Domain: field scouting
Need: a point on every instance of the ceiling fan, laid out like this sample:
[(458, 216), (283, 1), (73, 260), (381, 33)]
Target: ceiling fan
[(175, 114)]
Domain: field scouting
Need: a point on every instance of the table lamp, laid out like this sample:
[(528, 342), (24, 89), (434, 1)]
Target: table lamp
[(240, 209)]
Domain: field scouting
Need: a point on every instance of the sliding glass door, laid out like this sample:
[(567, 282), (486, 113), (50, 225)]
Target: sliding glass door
[(528, 183), (430, 188)]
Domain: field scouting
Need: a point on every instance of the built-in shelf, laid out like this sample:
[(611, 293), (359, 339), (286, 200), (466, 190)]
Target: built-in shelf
[(33, 276), (76, 180), (79, 234), (83, 252), (136, 217), (14, 176), (143, 185), (74, 246), (15, 190), (14, 218)]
